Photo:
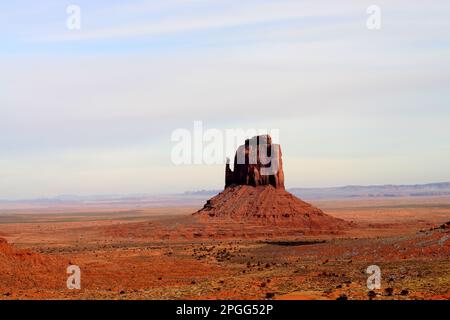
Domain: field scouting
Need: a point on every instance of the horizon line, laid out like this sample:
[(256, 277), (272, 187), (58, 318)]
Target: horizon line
[(58, 196)]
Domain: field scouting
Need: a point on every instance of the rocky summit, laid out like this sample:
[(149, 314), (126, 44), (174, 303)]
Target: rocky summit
[(256, 163)]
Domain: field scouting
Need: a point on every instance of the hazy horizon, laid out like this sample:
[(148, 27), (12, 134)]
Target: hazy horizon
[(99, 196), (91, 111)]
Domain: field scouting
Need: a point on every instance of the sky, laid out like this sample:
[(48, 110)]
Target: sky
[(92, 110)]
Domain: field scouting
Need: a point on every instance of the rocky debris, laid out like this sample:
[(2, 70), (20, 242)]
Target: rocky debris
[(445, 225), (389, 291), (270, 295), (342, 297), (267, 205), (371, 294)]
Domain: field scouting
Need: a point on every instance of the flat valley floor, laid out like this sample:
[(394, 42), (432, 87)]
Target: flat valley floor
[(165, 253)]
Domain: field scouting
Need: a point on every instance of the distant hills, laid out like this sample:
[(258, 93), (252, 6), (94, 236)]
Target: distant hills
[(197, 198), (349, 192), (375, 191)]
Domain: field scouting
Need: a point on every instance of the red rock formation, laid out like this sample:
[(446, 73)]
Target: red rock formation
[(256, 163), (254, 191)]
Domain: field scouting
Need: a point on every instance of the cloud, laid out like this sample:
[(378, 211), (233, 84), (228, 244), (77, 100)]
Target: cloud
[(102, 107), (215, 15)]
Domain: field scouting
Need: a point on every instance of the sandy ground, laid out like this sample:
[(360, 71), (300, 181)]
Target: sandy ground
[(165, 253)]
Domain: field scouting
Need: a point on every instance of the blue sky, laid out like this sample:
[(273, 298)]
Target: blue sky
[(91, 111)]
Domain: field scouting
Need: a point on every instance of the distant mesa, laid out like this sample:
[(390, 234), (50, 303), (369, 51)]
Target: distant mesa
[(254, 191)]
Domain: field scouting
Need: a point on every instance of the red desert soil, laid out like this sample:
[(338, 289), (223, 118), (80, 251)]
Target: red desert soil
[(166, 253), (26, 270)]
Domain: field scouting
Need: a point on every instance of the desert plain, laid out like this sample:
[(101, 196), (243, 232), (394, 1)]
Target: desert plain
[(165, 252)]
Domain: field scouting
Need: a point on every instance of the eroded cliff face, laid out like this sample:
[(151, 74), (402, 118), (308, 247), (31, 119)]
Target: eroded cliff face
[(257, 162)]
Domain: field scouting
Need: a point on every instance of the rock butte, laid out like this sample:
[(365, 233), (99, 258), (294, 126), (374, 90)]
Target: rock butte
[(255, 194)]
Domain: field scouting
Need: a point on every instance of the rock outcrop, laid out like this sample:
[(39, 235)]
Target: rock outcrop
[(21, 268), (254, 192), (256, 163)]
